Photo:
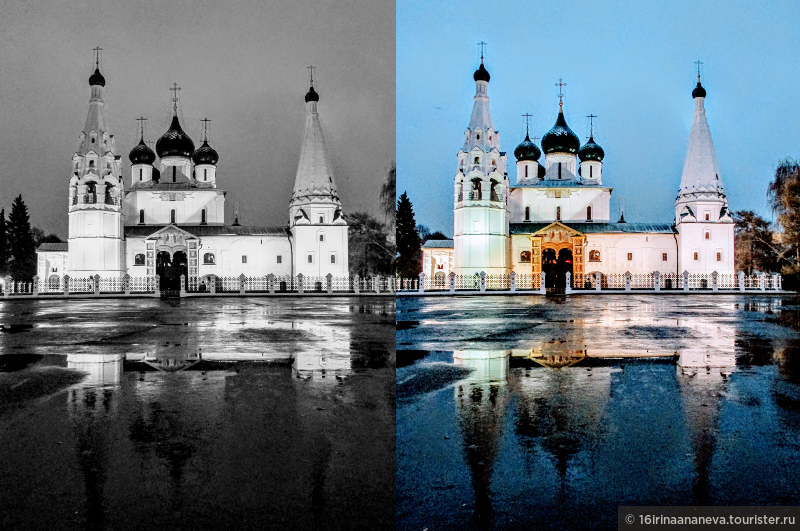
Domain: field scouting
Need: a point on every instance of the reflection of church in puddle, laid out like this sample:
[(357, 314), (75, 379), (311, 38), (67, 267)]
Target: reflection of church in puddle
[(558, 403), (557, 217), (170, 220)]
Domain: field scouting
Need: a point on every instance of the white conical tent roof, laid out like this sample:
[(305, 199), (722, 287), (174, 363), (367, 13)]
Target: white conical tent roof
[(314, 175), (700, 169)]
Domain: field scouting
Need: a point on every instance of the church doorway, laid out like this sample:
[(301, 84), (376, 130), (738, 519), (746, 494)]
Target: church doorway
[(169, 268), (555, 265)]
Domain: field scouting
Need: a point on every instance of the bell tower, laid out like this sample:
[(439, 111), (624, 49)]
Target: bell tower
[(315, 211), (95, 193), (704, 224), (480, 212)]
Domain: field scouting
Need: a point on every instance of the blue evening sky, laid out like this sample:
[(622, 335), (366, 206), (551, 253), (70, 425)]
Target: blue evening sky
[(631, 63)]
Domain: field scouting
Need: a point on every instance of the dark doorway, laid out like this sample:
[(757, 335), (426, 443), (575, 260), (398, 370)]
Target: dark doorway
[(555, 267), (170, 268)]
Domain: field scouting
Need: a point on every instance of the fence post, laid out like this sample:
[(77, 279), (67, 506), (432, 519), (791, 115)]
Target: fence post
[(598, 281), (390, 283), (212, 283), (513, 282), (356, 284), (182, 291), (741, 280), (329, 278), (66, 285), (35, 287), (568, 287), (97, 284), (242, 280), (452, 282), (776, 281), (685, 281), (300, 283), (483, 281), (627, 280), (762, 282), (657, 280), (126, 284), (714, 281), (421, 287), (376, 284), (542, 288)]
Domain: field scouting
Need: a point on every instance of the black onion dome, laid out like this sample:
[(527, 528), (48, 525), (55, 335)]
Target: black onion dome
[(175, 142), (591, 151), (481, 74), (699, 91), (560, 139), (312, 95), (205, 154), (142, 154), (97, 78), (527, 150)]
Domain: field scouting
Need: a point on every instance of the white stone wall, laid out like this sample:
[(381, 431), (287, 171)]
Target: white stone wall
[(701, 254), (321, 249), (188, 206), (437, 260), (573, 202), (51, 263)]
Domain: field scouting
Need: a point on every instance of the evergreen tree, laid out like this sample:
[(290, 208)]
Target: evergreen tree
[(409, 248), (3, 244), (21, 246)]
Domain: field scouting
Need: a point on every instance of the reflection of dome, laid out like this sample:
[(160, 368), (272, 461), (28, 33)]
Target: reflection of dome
[(699, 91), (591, 151), (175, 142), (481, 74), (142, 154), (98, 79), (527, 150), (205, 154), (557, 361), (312, 95), (560, 139)]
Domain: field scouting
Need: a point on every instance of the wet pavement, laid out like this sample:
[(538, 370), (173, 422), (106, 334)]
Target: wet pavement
[(522, 413), (197, 414)]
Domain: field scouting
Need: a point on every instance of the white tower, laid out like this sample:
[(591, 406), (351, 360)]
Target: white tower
[(480, 225), (95, 194), (315, 212), (705, 227)]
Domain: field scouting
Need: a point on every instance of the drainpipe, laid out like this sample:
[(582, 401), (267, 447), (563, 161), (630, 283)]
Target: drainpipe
[(291, 253)]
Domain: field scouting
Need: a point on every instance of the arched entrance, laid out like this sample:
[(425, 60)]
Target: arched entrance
[(170, 268), (555, 265)]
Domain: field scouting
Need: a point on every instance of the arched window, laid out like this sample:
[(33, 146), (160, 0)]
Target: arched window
[(590, 171), (708, 235), (174, 173), (321, 237), (558, 210), (205, 174), (141, 216), (172, 215), (203, 216), (138, 259), (588, 213), (559, 170), (526, 171), (208, 259), (140, 173), (527, 213), (594, 255), (477, 160), (525, 256), (333, 258)]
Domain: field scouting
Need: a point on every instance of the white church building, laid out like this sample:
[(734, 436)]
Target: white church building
[(556, 217), (169, 218)]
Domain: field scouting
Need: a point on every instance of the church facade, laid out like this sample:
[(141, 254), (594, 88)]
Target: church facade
[(556, 217), (169, 218)]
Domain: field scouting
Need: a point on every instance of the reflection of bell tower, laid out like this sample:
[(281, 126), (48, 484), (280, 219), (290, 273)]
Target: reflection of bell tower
[(481, 401), (93, 406), (95, 193)]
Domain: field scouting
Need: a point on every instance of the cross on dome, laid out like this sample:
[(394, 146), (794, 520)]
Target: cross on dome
[(175, 89), (560, 85), (527, 117), (483, 48)]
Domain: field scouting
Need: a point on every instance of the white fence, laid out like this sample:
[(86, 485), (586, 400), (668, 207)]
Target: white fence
[(655, 281), (211, 284)]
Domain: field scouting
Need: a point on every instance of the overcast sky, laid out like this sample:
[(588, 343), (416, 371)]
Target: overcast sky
[(241, 63), (631, 63)]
